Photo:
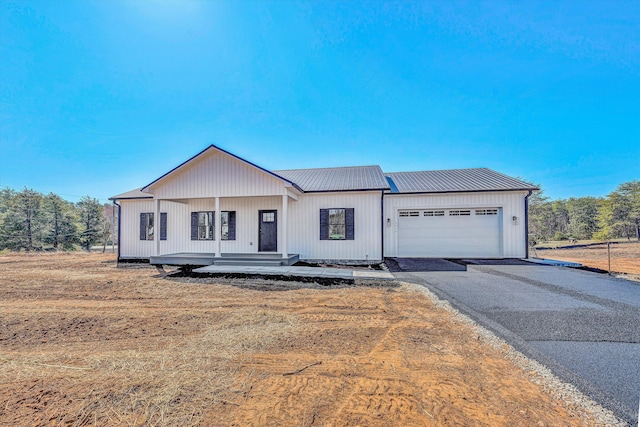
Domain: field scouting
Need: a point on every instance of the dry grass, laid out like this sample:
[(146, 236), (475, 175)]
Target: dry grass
[(625, 257), (84, 343), (116, 365)]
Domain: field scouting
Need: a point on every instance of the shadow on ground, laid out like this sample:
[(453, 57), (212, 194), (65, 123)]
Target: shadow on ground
[(407, 265), (397, 265), (276, 283)]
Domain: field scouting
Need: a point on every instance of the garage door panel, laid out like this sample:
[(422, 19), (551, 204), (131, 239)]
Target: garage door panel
[(453, 236)]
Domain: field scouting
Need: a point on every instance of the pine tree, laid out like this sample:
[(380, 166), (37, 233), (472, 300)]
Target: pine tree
[(61, 228), (583, 212), (91, 221), (22, 221), (620, 212)]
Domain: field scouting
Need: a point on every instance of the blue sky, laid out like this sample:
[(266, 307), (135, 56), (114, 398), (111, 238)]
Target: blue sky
[(99, 97)]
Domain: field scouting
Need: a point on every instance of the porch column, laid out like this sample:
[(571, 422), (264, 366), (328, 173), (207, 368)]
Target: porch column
[(217, 229), (285, 225), (156, 225)]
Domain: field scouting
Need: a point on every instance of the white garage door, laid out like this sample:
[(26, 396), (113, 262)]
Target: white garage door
[(449, 233)]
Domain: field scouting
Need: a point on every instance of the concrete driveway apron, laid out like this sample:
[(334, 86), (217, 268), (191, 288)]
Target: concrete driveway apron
[(583, 326)]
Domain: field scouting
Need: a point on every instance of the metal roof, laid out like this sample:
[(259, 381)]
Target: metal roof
[(133, 194), (358, 178), (455, 180), (337, 179)]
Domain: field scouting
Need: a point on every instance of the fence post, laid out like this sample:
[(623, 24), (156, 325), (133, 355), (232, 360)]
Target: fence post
[(609, 256)]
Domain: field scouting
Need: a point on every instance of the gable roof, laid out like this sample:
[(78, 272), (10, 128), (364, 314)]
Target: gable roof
[(213, 147), (363, 178), (454, 180), (350, 178)]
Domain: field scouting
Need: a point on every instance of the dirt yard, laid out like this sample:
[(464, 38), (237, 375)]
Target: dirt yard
[(85, 343), (625, 257)]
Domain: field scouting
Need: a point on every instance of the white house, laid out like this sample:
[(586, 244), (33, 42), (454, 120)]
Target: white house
[(347, 214)]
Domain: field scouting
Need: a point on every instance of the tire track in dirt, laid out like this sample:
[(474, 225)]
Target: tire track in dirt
[(384, 390)]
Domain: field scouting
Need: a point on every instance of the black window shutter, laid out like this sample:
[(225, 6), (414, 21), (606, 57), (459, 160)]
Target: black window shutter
[(143, 226), (232, 225), (163, 226), (324, 224), (349, 224), (194, 225)]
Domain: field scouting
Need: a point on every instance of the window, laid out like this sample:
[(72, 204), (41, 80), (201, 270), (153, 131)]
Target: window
[(268, 216), (228, 220), (460, 213), (203, 225), (433, 213), (337, 224), (146, 226), (486, 211)]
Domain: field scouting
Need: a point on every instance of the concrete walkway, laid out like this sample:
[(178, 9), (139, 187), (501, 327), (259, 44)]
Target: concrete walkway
[(291, 271)]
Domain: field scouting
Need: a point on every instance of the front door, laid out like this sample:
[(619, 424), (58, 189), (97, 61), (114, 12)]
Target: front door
[(268, 231)]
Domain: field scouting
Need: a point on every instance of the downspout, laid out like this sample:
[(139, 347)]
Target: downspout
[(526, 223), (119, 228), (382, 225)]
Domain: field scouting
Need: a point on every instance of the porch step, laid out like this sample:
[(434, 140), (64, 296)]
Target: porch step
[(270, 260), (183, 258), (251, 262), (260, 255)]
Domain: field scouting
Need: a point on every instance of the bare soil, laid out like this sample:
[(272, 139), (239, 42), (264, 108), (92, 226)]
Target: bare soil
[(625, 257), (85, 343)]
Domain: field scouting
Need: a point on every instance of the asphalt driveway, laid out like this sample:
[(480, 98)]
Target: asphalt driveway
[(584, 326)]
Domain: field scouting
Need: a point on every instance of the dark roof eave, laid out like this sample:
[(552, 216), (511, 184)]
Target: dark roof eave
[(344, 191), (462, 191), (129, 198)]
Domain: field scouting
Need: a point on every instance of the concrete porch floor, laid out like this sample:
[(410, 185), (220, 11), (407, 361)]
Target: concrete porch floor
[(230, 259)]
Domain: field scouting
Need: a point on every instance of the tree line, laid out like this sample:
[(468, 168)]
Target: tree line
[(617, 215), (30, 220), (33, 221)]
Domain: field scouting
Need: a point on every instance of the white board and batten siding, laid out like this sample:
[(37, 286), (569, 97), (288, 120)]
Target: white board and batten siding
[(179, 225), (447, 225), (303, 226), (130, 244), (217, 174)]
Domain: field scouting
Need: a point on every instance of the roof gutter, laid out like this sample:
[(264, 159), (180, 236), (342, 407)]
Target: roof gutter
[(526, 223), (347, 190), (382, 225), (460, 191), (119, 228)]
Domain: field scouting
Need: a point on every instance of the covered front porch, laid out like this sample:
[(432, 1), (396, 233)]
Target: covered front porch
[(221, 231), (216, 207), (200, 259)]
